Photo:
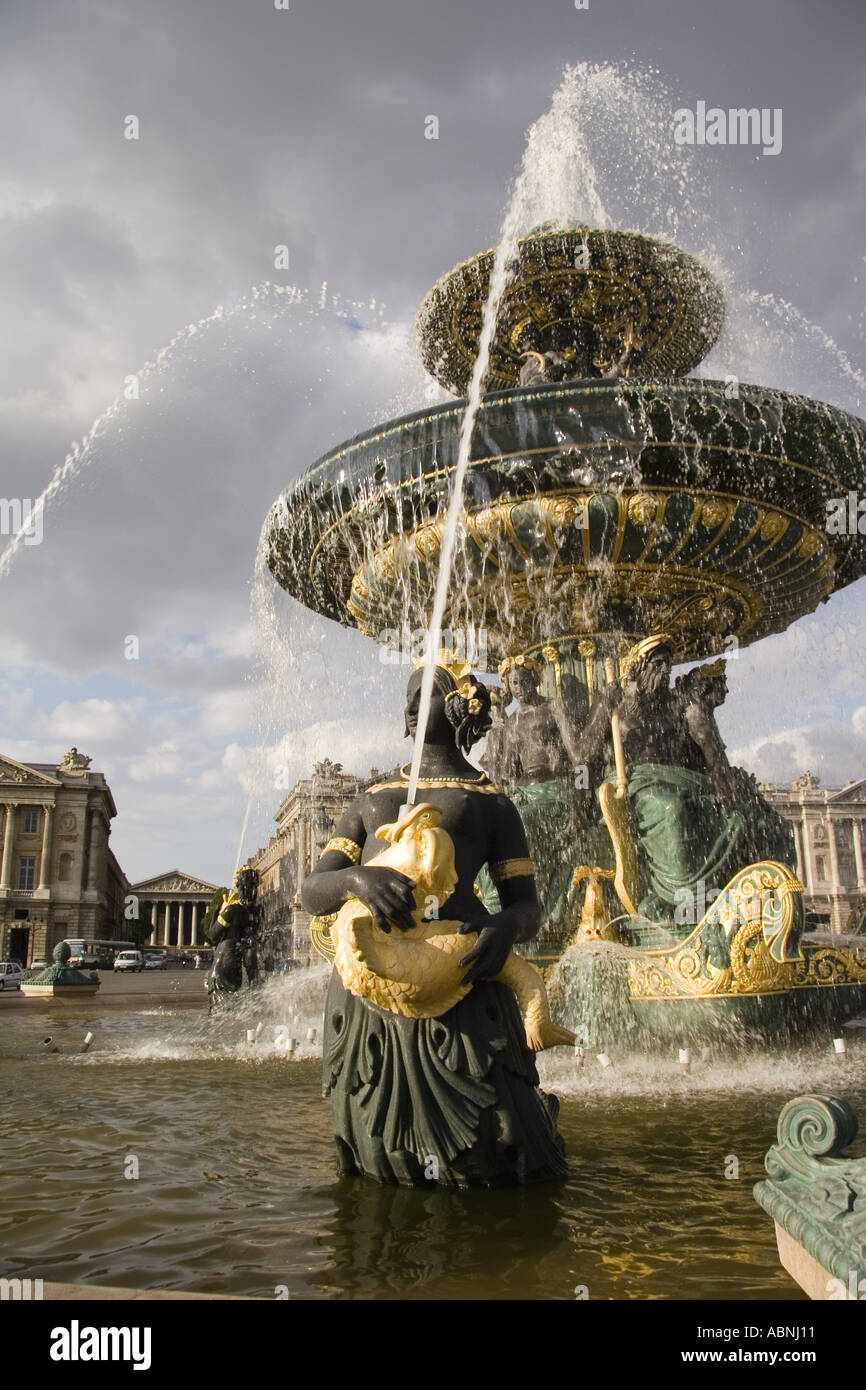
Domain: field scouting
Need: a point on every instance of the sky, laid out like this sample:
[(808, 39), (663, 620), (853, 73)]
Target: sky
[(166, 401)]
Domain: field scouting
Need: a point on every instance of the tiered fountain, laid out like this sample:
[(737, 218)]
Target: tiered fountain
[(608, 498)]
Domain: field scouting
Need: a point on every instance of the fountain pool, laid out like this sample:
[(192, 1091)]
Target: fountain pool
[(236, 1193)]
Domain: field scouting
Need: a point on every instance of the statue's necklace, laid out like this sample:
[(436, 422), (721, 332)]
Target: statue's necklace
[(441, 781)]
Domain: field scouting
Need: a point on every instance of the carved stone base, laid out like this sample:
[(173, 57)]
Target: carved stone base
[(59, 991), (812, 1277)]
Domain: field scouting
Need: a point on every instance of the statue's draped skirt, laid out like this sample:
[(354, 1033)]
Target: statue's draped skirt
[(452, 1099), (685, 837)]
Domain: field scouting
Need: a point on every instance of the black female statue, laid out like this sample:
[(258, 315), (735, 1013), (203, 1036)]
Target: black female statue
[(452, 1099)]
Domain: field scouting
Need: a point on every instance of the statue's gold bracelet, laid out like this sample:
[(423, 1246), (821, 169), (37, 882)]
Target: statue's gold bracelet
[(344, 846), (511, 868)]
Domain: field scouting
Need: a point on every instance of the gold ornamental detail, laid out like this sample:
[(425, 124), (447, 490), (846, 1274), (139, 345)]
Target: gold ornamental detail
[(760, 914), (344, 846), (694, 582), (829, 966)]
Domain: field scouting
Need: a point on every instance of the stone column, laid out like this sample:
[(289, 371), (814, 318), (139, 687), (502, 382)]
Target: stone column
[(45, 861), (807, 856), (836, 923), (858, 855), (196, 922), (93, 856), (166, 923), (180, 941), (301, 873), (799, 850), (8, 846), (154, 925)]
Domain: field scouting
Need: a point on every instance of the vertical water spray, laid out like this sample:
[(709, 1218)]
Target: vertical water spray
[(549, 161)]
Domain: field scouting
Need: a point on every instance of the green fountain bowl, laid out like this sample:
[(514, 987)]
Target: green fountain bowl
[(589, 508)]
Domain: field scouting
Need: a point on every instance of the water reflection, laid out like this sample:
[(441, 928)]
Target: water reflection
[(392, 1242)]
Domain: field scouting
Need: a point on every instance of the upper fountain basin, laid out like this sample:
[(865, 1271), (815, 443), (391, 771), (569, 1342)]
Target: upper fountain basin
[(589, 507), (598, 299)]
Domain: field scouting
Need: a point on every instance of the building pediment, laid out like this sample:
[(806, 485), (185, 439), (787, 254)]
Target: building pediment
[(855, 791), (175, 881), (13, 774)]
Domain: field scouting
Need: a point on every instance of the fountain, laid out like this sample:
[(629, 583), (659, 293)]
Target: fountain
[(60, 980), (609, 506), (633, 460)]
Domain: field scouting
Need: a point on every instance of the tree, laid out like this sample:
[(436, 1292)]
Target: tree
[(213, 908)]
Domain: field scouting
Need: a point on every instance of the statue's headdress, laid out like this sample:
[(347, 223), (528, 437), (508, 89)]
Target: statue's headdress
[(467, 701), (711, 672), (642, 649), (528, 662)]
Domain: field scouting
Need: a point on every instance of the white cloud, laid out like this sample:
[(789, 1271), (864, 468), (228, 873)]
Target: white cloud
[(167, 760), (93, 721), (227, 711)]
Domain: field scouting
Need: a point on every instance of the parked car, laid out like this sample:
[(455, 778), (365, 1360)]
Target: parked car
[(11, 974), (129, 960), (154, 962)]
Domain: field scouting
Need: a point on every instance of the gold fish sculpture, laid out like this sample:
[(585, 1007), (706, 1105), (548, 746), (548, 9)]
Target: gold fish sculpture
[(417, 973)]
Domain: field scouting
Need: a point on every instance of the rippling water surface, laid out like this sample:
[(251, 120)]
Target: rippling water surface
[(237, 1194)]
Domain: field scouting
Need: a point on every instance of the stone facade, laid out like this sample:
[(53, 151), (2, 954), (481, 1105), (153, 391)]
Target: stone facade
[(831, 848), (171, 907), (305, 821), (58, 876)]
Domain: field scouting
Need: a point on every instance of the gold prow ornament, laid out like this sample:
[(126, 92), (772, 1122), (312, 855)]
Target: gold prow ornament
[(417, 973)]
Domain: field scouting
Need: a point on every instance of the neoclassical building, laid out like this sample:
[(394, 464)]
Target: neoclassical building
[(171, 907), (829, 836), (305, 823), (58, 876)]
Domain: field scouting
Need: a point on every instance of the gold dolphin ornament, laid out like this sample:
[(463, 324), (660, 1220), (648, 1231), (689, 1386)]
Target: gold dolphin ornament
[(417, 973)]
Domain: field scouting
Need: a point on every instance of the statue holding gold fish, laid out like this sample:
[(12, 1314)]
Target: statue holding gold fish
[(432, 1020)]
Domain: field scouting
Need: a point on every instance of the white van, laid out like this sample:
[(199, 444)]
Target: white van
[(129, 960)]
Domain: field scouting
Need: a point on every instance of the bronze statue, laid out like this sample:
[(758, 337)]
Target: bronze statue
[(532, 751), (452, 1098), (235, 934), (693, 824), (530, 743)]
